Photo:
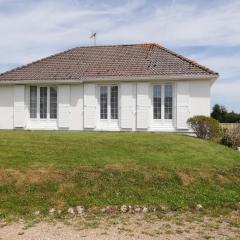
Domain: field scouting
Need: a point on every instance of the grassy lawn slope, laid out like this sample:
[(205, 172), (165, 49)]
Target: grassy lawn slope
[(39, 170)]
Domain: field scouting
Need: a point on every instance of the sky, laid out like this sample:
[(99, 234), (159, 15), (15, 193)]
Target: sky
[(207, 31)]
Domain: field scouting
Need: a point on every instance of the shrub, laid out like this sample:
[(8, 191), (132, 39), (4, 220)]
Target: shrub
[(231, 137), (206, 127)]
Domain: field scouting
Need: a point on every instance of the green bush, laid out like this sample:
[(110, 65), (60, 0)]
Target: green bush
[(206, 127), (231, 137)]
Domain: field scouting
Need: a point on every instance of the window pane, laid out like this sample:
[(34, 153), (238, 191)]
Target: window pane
[(103, 102), (53, 102), (43, 102), (33, 102), (157, 102), (168, 102), (114, 102)]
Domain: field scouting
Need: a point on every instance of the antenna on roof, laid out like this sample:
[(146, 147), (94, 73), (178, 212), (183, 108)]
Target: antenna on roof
[(94, 37)]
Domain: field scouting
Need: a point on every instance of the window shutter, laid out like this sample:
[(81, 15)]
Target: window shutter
[(126, 105), (64, 106), (89, 106), (143, 105), (182, 104), (19, 106)]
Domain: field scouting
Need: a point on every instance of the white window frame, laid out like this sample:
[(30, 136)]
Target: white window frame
[(38, 104), (108, 103), (163, 102), (35, 112)]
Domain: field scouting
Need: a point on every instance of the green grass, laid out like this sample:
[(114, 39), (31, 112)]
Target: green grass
[(39, 170)]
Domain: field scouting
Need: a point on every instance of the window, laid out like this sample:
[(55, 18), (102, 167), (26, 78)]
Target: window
[(109, 102), (168, 101), (53, 102), (157, 102), (103, 102), (33, 102), (163, 101), (43, 102), (114, 102)]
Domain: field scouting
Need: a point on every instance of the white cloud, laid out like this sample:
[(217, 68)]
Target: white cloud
[(227, 94), (185, 25), (225, 89), (227, 65), (49, 26)]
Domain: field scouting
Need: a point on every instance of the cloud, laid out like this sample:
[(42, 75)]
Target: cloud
[(227, 94), (49, 26), (185, 25), (228, 66)]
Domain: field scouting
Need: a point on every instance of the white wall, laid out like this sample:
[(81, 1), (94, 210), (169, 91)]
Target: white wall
[(19, 112), (76, 107), (6, 107), (89, 106), (80, 98), (143, 106), (200, 94), (127, 106), (182, 104), (63, 106)]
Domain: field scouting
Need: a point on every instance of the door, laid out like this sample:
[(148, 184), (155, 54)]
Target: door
[(108, 110)]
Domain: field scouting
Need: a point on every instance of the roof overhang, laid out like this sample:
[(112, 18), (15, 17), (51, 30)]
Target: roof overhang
[(213, 78)]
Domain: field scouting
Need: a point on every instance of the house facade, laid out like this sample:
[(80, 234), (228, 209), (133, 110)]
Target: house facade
[(141, 87)]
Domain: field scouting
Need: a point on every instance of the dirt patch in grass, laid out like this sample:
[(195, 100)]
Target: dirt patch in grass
[(189, 177), (186, 178), (31, 175), (120, 167), (65, 187)]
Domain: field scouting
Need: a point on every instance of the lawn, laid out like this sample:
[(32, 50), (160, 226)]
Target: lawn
[(39, 170)]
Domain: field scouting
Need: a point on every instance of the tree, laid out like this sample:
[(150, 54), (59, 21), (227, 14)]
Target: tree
[(221, 114)]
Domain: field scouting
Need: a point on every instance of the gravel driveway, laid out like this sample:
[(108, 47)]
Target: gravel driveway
[(126, 226)]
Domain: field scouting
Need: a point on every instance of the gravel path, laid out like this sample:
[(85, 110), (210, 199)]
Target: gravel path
[(172, 227)]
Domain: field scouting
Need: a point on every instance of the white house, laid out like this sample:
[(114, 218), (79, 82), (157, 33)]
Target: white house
[(141, 87)]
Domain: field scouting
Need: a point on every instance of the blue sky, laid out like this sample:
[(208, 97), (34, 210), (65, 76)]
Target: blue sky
[(206, 31)]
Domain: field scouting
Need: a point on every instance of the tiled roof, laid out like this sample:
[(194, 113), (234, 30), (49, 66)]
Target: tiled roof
[(98, 62)]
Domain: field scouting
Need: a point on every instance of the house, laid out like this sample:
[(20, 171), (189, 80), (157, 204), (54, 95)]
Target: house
[(110, 88)]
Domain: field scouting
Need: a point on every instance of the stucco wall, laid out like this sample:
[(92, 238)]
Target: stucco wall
[(6, 107), (200, 93), (82, 107), (76, 107)]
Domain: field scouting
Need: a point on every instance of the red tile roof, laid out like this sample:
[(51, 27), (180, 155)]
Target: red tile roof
[(97, 62)]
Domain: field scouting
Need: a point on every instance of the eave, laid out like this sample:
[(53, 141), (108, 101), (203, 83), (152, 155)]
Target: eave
[(213, 78)]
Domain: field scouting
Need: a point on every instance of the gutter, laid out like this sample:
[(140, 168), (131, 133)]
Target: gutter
[(213, 78)]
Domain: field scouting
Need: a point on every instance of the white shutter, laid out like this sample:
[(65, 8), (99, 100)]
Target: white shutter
[(182, 104), (143, 105), (126, 105), (64, 106), (19, 106), (89, 106)]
